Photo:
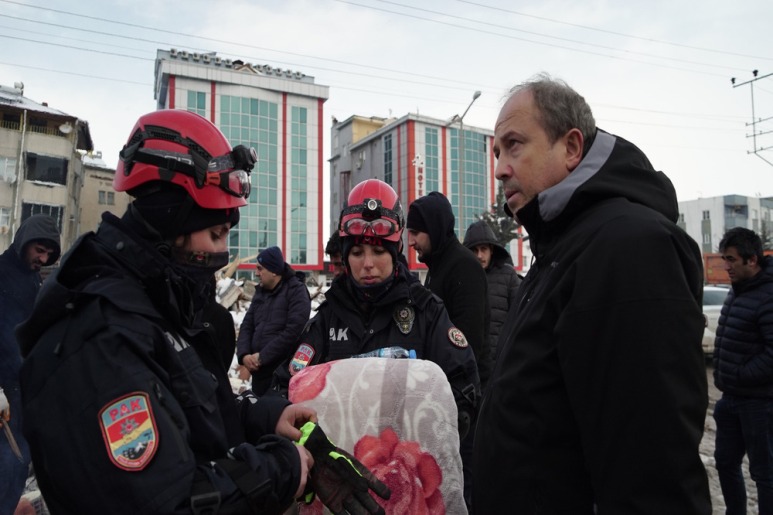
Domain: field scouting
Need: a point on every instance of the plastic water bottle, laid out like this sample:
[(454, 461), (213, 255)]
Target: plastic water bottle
[(389, 352)]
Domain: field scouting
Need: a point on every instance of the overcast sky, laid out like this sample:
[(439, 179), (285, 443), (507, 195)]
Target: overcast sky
[(657, 73)]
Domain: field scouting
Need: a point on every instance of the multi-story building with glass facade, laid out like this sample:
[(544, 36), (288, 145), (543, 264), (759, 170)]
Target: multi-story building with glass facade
[(416, 155), (279, 113), (707, 219)]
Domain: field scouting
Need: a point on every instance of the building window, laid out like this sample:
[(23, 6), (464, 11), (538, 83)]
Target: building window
[(706, 215), (298, 180), (5, 217), (681, 218), (107, 198), (254, 123), (197, 102), (55, 212), (46, 168), (8, 169), (388, 160), (470, 191), (431, 161)]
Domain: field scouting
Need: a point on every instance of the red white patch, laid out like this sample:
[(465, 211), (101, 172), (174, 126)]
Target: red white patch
[(129, 430), (457, 338), (302, 358)]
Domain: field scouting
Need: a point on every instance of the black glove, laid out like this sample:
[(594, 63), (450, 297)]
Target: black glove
[(338, 478)]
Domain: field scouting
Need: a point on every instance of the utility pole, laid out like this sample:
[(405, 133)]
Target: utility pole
[(756, 150), (460, 119)]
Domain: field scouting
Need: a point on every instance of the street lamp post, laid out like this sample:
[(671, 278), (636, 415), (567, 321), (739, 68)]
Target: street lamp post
[(462, 223)]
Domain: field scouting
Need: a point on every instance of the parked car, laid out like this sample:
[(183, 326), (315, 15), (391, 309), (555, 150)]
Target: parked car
[(713, 298)]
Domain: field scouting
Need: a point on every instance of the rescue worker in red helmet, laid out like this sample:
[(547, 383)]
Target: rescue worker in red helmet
[(375, 304), (124, 385)]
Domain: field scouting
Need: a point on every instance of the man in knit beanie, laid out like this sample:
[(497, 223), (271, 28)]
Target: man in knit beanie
[(272, 260), (275, 319)]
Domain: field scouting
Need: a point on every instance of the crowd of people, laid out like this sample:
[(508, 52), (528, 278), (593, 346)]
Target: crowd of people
[(579, 389)]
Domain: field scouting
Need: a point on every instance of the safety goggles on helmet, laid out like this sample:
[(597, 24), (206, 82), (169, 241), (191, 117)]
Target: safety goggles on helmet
[(379, 227), (230, 172), (236, 177)]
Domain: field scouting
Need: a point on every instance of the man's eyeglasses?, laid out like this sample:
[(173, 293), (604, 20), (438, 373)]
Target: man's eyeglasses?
[(379, 227)]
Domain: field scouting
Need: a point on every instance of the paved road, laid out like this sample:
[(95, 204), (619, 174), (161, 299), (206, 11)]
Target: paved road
[(707, 454)]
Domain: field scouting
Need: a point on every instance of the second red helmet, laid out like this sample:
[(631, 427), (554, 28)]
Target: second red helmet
[(373, 209)]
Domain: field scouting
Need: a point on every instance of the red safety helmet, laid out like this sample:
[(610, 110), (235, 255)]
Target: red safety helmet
[(373, 209), (188, 150)]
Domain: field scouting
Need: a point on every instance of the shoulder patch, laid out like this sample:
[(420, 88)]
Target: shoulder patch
[(457, 338), (302, 358), (129, 430)]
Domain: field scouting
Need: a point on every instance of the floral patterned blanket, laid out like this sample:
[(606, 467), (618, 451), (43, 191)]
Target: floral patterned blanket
[(398, 417)]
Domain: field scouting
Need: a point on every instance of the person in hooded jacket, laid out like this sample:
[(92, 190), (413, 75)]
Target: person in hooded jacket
[(502, 279), (743, 372), (456, 277), (454, 273), (275, 319), (598, 397), (375, 304), (125, 390), (35, 244)]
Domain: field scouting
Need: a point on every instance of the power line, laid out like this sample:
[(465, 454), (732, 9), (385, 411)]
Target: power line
[(621, 34), (349, 2), (505, 27), (67, 72), (214, 40), (72, 47), (112, 34), (401, 80), (445, 80)]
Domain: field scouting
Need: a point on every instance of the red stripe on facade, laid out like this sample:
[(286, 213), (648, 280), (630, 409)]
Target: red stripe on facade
[(320, 184), (444, 173), (398, 161), (492, 179), (212, 103), (171, 92), (410, 128), (285, 180)]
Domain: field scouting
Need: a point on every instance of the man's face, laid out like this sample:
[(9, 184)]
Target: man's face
[(735, 266), (37, 255), (266, 277), (420, 242), (338, 264), (527, 162), (483, 253)]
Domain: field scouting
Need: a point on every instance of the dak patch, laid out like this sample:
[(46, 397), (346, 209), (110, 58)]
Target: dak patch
[(129, 430), (404, 317), (457, 338), (301, 359)]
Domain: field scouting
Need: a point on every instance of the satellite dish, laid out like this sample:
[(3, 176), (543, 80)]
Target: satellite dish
[(65, 128)]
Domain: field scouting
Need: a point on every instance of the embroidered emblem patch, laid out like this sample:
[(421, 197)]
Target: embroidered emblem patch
[(457, 338), (301, 359), (129, 430), (404, 317)]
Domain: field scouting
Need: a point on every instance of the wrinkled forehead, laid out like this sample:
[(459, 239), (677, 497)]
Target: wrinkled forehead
[(518, 109)]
